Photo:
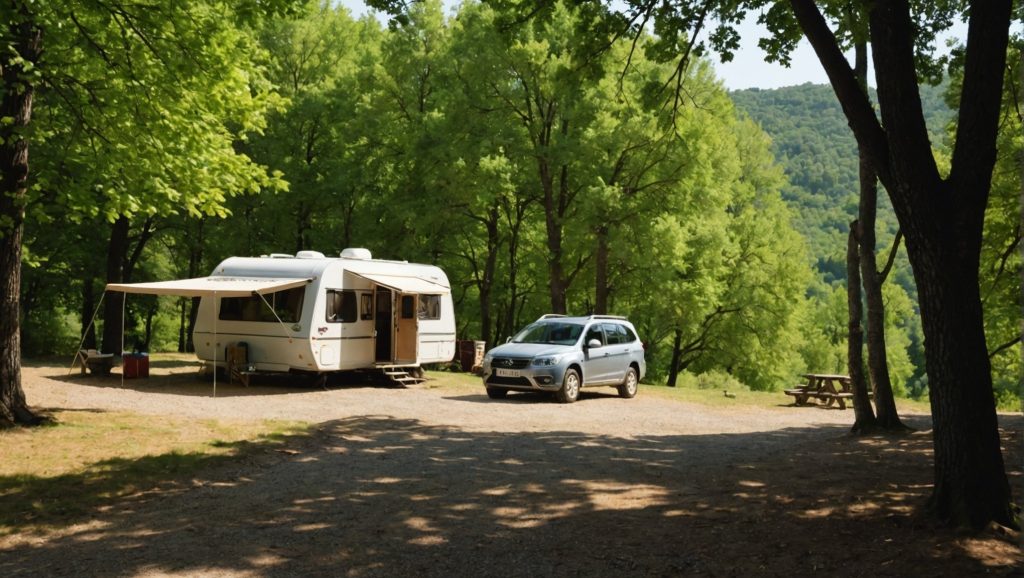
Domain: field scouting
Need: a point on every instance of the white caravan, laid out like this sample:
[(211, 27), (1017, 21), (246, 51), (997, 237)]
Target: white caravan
[(328, 314)]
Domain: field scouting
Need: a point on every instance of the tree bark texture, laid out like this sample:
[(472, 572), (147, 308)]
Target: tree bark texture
[(677, 354), (942, 221), (864, 415), (16, 105), (601, 289), (113, 308)]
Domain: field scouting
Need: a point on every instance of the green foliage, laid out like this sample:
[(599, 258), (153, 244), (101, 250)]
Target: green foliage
[(713, 379), (393, 140)]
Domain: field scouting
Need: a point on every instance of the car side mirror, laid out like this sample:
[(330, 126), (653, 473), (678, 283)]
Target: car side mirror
[(593, 344), (508, 339)]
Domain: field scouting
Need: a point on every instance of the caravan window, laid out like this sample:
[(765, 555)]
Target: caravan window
[(430, 307), (408, 303), (286, 304), (341, 306)]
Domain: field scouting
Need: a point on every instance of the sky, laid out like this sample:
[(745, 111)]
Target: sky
[(748, 68)]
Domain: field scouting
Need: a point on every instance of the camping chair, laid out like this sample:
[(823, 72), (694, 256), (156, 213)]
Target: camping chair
[(237, 360), (96, 362)]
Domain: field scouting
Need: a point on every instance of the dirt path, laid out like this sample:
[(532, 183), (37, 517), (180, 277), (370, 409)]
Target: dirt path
[(441, 481)]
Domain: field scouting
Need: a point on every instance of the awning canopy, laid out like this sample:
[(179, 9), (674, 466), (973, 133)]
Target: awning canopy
[(220, 286), (403, 283)]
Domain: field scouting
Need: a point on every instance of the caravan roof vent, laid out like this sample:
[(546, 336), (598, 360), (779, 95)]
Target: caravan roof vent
[(280, 256), (356, 253), (309, 255)]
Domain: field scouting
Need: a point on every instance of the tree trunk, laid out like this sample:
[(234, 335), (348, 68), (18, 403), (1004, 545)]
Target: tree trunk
[(193, 315), (942, 220), (486, 283), (182, 317), (195, 259), (22, 50), (970, 481), (601, 289), (113, 310), (864, 415), (878, 362), (556, 272), (677, 353), (88, 306)]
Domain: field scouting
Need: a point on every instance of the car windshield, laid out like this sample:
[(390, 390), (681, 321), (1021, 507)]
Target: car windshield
[(554, 333)]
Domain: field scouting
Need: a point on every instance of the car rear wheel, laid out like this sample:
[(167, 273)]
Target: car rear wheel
[(629, 385), (571, 383), (496, 392)]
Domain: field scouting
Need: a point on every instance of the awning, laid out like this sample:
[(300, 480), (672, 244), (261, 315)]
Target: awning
[(220, 286), (404, 284)]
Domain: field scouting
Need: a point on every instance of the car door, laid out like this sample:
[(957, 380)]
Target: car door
[(595, 359), (617, 348)]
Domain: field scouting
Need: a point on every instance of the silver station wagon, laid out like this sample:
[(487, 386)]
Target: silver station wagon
[(563, 354)]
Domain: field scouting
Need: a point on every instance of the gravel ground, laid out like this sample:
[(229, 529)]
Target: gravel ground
[(437, 480)]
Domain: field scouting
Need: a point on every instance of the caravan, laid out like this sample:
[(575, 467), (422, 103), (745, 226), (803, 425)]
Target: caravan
[(317, 314)]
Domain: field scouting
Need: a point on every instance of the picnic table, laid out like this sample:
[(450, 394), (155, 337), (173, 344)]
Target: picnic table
[(829, 388)]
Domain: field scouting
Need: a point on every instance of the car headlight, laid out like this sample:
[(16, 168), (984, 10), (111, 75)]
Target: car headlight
[(547, 360)]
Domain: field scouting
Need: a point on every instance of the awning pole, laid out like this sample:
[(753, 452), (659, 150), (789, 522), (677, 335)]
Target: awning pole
[(216, 345), (281, 323), (124, 302), (78, 352)]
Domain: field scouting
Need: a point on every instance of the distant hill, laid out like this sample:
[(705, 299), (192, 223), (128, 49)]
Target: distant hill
[(812, 141)]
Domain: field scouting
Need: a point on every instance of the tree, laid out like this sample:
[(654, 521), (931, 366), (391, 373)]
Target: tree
[(22, 45), (134, 103), (941, 218)]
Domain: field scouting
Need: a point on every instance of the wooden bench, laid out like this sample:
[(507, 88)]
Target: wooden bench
[(800, 395), (840, 398)]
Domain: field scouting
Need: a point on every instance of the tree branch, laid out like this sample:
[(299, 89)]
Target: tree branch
[(884, 273), (1004, 347), (974, 153)]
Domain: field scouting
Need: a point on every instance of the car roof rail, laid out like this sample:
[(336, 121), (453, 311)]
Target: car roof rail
[(619, 317), (551, 316)]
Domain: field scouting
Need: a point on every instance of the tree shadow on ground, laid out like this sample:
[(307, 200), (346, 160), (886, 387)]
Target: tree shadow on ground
[(528, 397), (196, 384), (376, 496)]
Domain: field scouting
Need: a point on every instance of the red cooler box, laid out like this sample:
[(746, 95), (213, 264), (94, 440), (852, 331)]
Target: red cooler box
[(136, 365)]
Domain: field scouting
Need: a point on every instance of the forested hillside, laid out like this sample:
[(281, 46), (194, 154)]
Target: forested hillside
[(811, 140), (813, 143)]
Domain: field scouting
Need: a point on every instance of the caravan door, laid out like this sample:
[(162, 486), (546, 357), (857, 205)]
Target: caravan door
[(397, 314), (407, 329), (383, 325)]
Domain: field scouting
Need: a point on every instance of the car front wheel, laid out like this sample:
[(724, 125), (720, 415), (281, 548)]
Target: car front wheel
[(571, 383), (496, 392), (629, 385)]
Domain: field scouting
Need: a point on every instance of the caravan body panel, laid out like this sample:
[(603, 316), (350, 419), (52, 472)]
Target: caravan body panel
[(353, 314)]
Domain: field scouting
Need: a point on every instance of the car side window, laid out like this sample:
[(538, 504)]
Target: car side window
[(614, 334), (595, 333), (630, 336)]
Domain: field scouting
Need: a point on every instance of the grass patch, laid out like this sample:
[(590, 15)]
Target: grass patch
[(455, 380), (705, 390), (54, 475)]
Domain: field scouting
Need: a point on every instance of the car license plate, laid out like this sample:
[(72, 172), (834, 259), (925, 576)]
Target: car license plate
[(508, 372)]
